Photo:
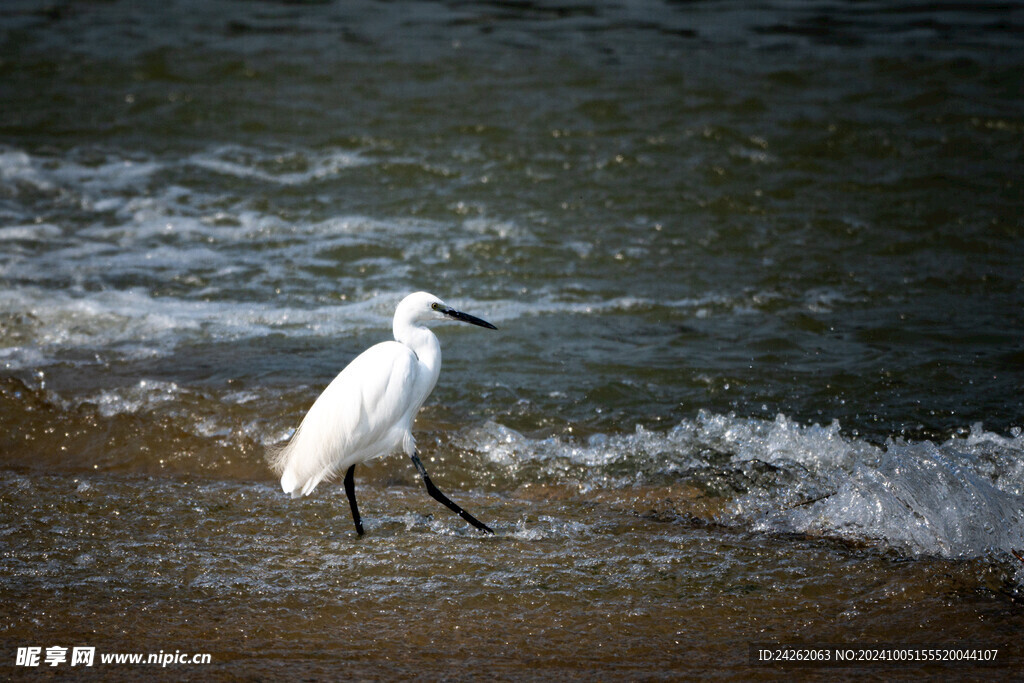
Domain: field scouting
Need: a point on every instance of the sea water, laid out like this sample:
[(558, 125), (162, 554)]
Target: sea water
[(758, 274)]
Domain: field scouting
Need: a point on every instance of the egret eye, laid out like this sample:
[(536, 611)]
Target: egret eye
[(436, 306)]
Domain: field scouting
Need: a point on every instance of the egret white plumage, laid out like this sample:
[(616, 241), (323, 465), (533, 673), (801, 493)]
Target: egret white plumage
[(368, 409)]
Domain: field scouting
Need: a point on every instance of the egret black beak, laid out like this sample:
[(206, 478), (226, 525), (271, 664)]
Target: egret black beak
[(467, 318)]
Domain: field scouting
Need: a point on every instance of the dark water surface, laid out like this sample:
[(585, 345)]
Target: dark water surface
[(758, 271)]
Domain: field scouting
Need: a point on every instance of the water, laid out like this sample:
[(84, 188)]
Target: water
[(759, 279)]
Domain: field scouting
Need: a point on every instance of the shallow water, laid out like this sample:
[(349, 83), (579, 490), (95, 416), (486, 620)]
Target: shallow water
[(759, 285)]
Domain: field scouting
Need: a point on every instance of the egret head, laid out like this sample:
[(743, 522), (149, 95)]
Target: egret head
[(421, 307)]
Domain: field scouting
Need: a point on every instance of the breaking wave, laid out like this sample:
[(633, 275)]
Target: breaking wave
[(960, 498)]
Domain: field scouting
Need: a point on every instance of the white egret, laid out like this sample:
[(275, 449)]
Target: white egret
[(368, 410)]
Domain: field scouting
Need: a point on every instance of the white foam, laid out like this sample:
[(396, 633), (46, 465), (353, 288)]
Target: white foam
[(138, 323), (88, 181), (920, 498), (36, 232), (17, 167), (143, 396), (134, 323), (960, 498), (241, 162), (151, 264)]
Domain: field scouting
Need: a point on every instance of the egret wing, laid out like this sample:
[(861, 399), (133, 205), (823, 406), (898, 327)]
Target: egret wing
[(359, 416)]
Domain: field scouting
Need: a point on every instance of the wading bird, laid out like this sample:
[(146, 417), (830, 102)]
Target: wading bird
[(368, 410)]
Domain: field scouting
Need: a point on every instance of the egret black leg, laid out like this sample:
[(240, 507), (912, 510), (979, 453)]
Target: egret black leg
[(350, 491), (436, 494)]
